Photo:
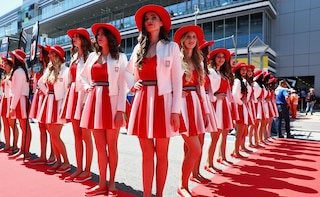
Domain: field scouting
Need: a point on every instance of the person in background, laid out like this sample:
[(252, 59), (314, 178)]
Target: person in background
[(53, 84), (154, 73), (36, 106), (294, 99), (194, 108), (283, 105), (19, 102), (74, 101), (103, 79), (311, 101)]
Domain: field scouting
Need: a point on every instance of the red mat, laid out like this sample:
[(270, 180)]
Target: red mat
[(20, 179), (284, 168)]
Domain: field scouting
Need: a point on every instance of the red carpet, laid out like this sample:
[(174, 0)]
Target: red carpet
[(19, 179), (284, 168)]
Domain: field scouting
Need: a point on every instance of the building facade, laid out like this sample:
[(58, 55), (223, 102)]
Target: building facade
[(279, 36)]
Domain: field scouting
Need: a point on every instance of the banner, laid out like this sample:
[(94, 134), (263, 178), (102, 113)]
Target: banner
[(34, 42), (23, 40), (4, 47)]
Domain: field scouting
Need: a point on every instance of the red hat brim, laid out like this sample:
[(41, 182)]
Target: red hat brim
[(252, 67), (159, 10), (58, 52), (220, 50), (238, 66), (81, 31), (189, 28), (257, 74), (205, 44), (108, 26), (17, 56), (5, 59)]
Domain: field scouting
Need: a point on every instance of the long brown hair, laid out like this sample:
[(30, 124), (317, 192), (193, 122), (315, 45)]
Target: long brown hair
[(53, 69), (144, 42), (86, 46), (114, 48), (225, 69), (196, 59)]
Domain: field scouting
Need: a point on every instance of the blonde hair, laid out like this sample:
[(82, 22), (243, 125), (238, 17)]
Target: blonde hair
[(196, 59), (52, 71)]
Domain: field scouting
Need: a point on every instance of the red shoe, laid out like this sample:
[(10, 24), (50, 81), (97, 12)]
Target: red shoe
[(210, 169), (37, 162), (238, 156), (63, 169), (80, 179), (113, 193), (180, 194), (96, 191), (204, 181), (52, 169), (224, 162), (50, 161), (69, 179)]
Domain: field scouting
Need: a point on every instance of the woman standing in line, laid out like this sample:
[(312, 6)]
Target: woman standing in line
[(261, 114), (194, 107), (221, 79), (36, 106), (4, 108), (205, 48), (154, 73), (54, 84), (252, 109), (270, 87), (74, 101), (19, 102), (103, 79), (240, 94)]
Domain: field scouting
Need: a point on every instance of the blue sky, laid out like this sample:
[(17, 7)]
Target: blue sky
[(8, 5)]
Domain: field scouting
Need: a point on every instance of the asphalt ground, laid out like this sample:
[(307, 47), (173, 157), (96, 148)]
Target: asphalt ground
[(128, 176)]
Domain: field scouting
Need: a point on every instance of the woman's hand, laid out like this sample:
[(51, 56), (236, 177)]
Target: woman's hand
[(119, 119), (137, 86), (175, 121), (206, 118), (89, 89)]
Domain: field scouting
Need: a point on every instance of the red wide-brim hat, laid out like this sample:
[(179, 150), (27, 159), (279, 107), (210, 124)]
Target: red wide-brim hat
[(59, 51), (225, 51), (257, 74), (205, 43), (5, 59), (238, 66), (159, 10), (189, 28), (19, 54), (82, 31), (252, 67), (46, 48), (108, 26)]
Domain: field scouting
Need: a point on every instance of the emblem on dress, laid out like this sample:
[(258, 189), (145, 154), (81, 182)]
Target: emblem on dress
[(116, 69), (167, 63), (61, 79)]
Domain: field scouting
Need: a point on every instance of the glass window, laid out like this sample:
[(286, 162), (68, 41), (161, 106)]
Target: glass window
[(256, 26), (218, 34), (243, 31), (230, 26), (207, 29)]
